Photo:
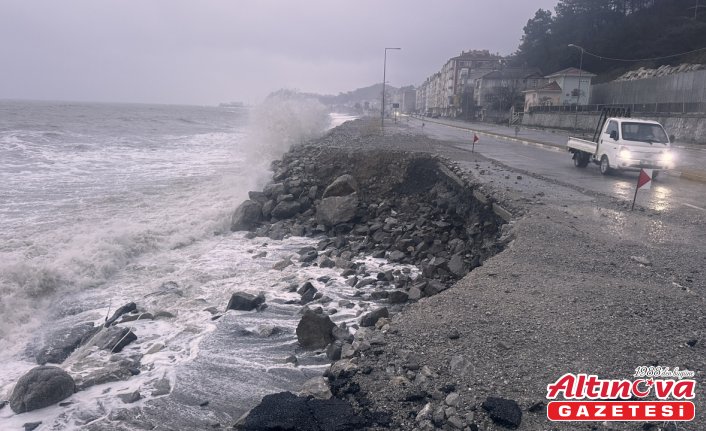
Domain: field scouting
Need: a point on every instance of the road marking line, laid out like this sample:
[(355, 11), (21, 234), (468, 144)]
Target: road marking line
[(695, 207)]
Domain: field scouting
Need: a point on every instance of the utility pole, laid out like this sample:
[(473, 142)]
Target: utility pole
[(384, 71), (578, 96)]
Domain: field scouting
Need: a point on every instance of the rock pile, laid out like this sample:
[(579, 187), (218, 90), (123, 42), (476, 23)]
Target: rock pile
[(411, 209), (408, 208)]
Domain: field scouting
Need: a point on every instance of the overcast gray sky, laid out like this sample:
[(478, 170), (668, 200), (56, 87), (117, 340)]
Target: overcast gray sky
[(210, 51)]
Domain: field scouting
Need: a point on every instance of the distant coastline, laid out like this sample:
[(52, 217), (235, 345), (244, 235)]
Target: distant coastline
[(232, 105)]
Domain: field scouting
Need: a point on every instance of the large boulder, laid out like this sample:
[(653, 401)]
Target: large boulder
[(62, 342), (341, 186), (244, 301), (307, 291), (457, 266), (286, 209), (113, 339), (503, 411), (41, 387), (286, 411), (314, 330), (246, 216), (273, 190), (337, 209), (370, 319)]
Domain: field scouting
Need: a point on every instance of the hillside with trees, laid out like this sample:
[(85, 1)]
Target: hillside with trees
[(622, 29)]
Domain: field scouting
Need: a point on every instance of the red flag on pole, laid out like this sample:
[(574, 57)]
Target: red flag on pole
[(642, 181), (644, 178), (475, 138)]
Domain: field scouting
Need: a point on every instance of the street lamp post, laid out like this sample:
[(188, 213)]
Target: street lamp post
[(578, 96), (384, 71)]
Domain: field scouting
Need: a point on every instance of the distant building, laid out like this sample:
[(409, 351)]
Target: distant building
[(547, 95), (501, 90), (449, 92), (568, 81), (409, 100)]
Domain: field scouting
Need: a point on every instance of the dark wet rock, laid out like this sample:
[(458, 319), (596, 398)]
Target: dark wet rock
[(286, 411), (396, 256), (61, 343), (246, 216), (104, 372), (309, 256), (377, 295), (127, 308), (341, 186), (258, 197), (333, 351), (457, 266), (273, 190), (30, 426), (370, 319), (327, 263), (245, 301), (414, 293), (161, 387), (282, 264), (398, 297), (286, 209), (433, 287), (341, 333), (454, 335), (337, 209), (365, 282), (267, 209), (308, 292), (130, 398), (113, 339), (41, 387), (287, 197), (503, 411), (314, 330)]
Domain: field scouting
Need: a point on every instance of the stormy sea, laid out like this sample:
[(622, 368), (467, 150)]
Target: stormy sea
[(103, 205)]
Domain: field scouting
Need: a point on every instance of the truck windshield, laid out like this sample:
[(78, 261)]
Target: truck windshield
[(644, 132)]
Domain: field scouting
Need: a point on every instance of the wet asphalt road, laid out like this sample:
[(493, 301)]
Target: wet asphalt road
[(666, 194)]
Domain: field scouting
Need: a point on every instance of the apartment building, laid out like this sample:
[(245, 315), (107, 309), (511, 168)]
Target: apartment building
[(445, 92)]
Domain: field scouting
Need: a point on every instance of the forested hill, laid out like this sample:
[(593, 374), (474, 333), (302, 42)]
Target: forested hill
[(625, 29)]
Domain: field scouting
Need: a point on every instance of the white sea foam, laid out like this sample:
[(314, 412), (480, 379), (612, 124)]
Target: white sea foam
[(96, 220)]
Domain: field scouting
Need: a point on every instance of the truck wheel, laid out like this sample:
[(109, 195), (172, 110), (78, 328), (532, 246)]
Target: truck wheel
[(580, 160), (605, 165)]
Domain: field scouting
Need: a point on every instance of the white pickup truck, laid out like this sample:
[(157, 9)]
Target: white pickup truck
[(624, 144)]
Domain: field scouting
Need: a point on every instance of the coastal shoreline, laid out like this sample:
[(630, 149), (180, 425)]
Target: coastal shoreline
[(528, 315)]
